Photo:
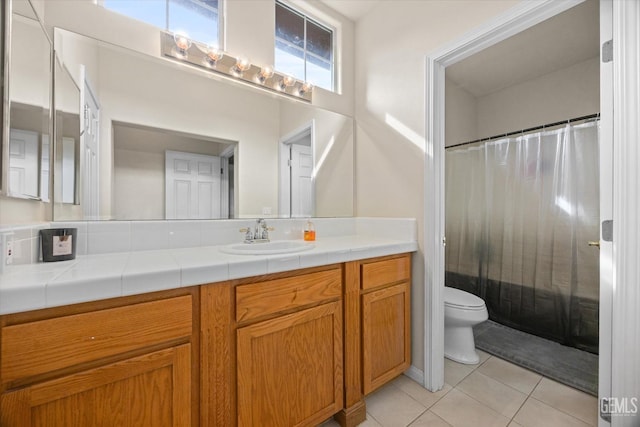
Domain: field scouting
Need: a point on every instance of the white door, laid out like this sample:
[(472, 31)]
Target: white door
[(302, 191), (90, 143), (192, 186), (23, 163)]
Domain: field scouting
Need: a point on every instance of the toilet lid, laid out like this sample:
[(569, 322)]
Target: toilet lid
[(458, 298)]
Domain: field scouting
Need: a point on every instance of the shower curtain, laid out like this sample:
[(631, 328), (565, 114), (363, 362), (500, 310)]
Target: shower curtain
[(519, 214)]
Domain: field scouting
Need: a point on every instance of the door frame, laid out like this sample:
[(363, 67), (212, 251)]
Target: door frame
[(87, 90), (520, 17), (225, 155), (284, 179)]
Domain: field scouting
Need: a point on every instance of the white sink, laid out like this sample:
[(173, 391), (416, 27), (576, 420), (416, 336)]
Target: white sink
[(267, 248)]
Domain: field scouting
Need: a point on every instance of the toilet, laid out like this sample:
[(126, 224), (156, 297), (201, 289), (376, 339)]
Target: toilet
[(462, 311)]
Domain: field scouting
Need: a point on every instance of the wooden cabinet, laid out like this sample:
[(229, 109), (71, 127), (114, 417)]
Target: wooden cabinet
[(128, 362), (386, 322), (377, 328), (289, 362), (149, 390), (290, 368)]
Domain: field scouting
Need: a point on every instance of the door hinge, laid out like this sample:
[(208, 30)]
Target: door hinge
[(607, 230), (289, 163), (607, 51)]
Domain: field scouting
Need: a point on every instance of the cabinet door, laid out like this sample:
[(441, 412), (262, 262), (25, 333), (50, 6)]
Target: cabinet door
[(290, 368), (149, 390), (386, 345)]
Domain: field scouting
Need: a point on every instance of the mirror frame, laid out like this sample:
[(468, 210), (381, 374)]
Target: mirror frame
[(5, 24)]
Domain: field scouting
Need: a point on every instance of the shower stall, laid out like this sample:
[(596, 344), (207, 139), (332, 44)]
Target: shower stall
[(521, 211)]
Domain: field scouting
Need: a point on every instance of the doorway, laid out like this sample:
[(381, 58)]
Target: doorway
[(521, 17), (297, 183)]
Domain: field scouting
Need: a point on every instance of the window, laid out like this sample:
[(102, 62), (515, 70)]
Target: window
[(198, 18), (304, 48)]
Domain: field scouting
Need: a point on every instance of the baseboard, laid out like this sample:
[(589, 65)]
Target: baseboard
[(415, 374)]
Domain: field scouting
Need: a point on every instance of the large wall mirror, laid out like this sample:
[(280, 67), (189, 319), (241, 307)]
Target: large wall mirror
[(28, 126), (147, 138)]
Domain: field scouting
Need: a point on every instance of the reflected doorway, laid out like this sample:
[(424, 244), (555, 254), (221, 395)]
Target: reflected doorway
[(297, 184)]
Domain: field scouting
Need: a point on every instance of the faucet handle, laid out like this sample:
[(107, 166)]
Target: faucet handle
[(248, 236)]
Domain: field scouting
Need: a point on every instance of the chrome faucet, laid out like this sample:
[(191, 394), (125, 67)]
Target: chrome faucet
[(259, 234)]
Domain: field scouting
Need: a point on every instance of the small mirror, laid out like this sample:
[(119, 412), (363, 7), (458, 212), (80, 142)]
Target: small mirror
[(29, 118)]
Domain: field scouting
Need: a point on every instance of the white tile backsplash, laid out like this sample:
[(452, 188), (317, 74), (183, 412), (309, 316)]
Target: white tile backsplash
[(108, 236), (184, 234), (149, 235), (103, 237)]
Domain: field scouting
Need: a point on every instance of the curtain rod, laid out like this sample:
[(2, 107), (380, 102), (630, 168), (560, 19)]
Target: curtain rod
[(529, 130)]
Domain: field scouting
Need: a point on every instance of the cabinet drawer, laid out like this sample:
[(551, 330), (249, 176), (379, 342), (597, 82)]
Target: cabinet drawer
[(379, 273), (257, 300), (47, 345)]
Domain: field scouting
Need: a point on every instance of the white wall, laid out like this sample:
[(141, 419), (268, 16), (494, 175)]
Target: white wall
[(391, 44), (564, 94), (461, 114)]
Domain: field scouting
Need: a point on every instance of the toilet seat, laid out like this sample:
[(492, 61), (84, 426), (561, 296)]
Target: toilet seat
[(455, 298)]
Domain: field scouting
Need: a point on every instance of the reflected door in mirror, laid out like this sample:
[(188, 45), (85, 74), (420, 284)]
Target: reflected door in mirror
[(23, 163), (192, 186)]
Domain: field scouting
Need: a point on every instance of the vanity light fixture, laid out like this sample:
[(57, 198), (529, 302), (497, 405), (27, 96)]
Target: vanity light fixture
[(179, 47), (264, 74)]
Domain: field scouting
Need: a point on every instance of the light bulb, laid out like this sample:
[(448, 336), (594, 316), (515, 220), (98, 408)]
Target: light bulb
[(242, 64), (286, 82), (264, 74), (214, 54), (183, 42), (306, 87)]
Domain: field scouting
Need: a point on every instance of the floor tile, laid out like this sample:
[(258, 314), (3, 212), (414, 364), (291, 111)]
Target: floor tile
[(455, 372), (574, 402), (514, 424), (537, 414), (429, 419), (370, 422), (391, 407), (419, 393), (510, 374), (483, 356), (494, 394), (460, 410)]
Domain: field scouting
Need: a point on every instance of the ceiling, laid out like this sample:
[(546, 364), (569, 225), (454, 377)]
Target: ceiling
[(352, 9), (559, 42)]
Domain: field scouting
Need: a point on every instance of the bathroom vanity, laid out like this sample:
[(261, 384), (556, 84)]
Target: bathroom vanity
[(294, 347)]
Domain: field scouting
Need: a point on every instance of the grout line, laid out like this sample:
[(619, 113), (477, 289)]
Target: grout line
[(392, 383), (559, 410)]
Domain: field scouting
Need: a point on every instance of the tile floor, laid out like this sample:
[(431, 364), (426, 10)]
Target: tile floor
[(492, 393)]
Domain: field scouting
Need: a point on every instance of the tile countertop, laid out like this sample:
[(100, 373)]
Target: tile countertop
[(95, 277)]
